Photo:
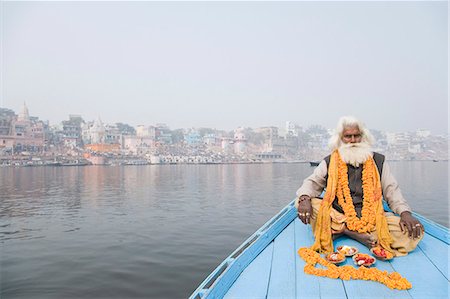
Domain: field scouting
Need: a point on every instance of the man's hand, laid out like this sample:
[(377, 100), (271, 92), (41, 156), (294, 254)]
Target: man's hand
[(304, 209), (408, 223)]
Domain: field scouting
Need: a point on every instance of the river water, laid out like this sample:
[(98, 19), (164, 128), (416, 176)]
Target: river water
[(152, 231)]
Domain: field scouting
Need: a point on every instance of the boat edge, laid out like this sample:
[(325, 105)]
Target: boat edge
[(222, 278)]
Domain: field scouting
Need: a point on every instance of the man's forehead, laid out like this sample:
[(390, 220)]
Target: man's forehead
[(351, 128)]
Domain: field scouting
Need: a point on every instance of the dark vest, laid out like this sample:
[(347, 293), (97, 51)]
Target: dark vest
[(355, 182)]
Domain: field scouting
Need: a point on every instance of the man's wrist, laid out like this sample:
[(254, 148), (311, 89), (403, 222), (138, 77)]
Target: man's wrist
[(405, 213), (304, 197)]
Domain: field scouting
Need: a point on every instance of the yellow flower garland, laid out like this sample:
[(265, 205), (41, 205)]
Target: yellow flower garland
[(373, 218), (392, 280), (367, 221)]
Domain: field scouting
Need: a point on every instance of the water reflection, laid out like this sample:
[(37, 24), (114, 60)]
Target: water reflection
[(425, 185), (132, 231)]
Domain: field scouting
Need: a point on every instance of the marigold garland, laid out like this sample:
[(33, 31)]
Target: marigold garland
[(367, 221), (372, 218), (392, 280)]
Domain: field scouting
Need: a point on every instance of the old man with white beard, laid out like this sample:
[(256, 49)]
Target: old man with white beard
[(356, 180)]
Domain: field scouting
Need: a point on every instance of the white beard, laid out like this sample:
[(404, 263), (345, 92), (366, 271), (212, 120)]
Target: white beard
[(355, 153)]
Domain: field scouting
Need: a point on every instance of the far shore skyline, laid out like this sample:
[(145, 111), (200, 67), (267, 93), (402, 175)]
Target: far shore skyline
[(280, 126)]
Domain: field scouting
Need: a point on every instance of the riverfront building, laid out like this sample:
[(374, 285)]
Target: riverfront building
[(21, 133)]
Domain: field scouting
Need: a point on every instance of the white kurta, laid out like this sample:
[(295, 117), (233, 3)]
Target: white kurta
[(315, 184)]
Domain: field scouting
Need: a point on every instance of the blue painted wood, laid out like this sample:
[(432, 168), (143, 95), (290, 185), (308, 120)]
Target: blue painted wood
[(282, 278), (426, 267), (427, 281), (434, 229), (310, 286), (215, 286), (307, 286), (437, 252), (253, 281), (360, 289)]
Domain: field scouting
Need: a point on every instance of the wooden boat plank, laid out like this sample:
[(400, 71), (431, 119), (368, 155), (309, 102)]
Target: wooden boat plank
[(427, 280), (238, 261), (435, 229), (310, 286), (359, 289), (253, 281), (282, 277), (307, 286), (426, 267), (437, 252)]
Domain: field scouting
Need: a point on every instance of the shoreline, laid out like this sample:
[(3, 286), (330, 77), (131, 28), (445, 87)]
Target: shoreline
[(22, 163)]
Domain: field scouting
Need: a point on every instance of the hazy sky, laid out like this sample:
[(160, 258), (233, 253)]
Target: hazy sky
[(228, 64)]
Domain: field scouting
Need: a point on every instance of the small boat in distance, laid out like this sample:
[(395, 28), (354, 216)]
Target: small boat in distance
[(314, 163), (266, 265)]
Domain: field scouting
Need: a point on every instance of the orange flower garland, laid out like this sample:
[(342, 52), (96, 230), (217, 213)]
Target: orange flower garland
[(373, 218), (392, 280), (367, 221)]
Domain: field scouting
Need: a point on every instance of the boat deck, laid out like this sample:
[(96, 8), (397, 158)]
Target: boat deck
[(277, 272)]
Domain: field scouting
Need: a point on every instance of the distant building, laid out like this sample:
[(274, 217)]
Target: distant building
[(398, 140), (415, 148), (97, 133), (268, 132), (240, 141), (391, 138), (112, 135), (21, 133), (193, 138), (227, 144), (271, 138), (72, 131), (138, 145), (146, 131), (292, 129), (98, 137), (422, 133), (103, 148), (164, 138), (7, 119), (163, 134), (211, 139)]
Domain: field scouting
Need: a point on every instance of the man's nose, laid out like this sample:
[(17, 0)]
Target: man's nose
[(353, 140)]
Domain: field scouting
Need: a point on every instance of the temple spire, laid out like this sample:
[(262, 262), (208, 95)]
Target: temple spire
[(24, 115)]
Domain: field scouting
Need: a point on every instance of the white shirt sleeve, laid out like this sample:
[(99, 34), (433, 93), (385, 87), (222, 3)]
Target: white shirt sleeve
[(315, 183), (391, 191)]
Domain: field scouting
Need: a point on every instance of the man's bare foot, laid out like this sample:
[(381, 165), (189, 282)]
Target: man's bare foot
[(365, 239), (337, 235)]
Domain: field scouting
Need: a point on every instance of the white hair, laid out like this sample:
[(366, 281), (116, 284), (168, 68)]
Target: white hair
[(345, 122)]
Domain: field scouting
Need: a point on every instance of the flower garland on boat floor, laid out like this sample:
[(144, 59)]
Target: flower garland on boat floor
[(392, 280), (372, 219)]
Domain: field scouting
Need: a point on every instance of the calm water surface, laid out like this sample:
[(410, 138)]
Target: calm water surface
[(151, 231)]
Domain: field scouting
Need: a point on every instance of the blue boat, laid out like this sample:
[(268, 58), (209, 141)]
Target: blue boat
[(267, 265)]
